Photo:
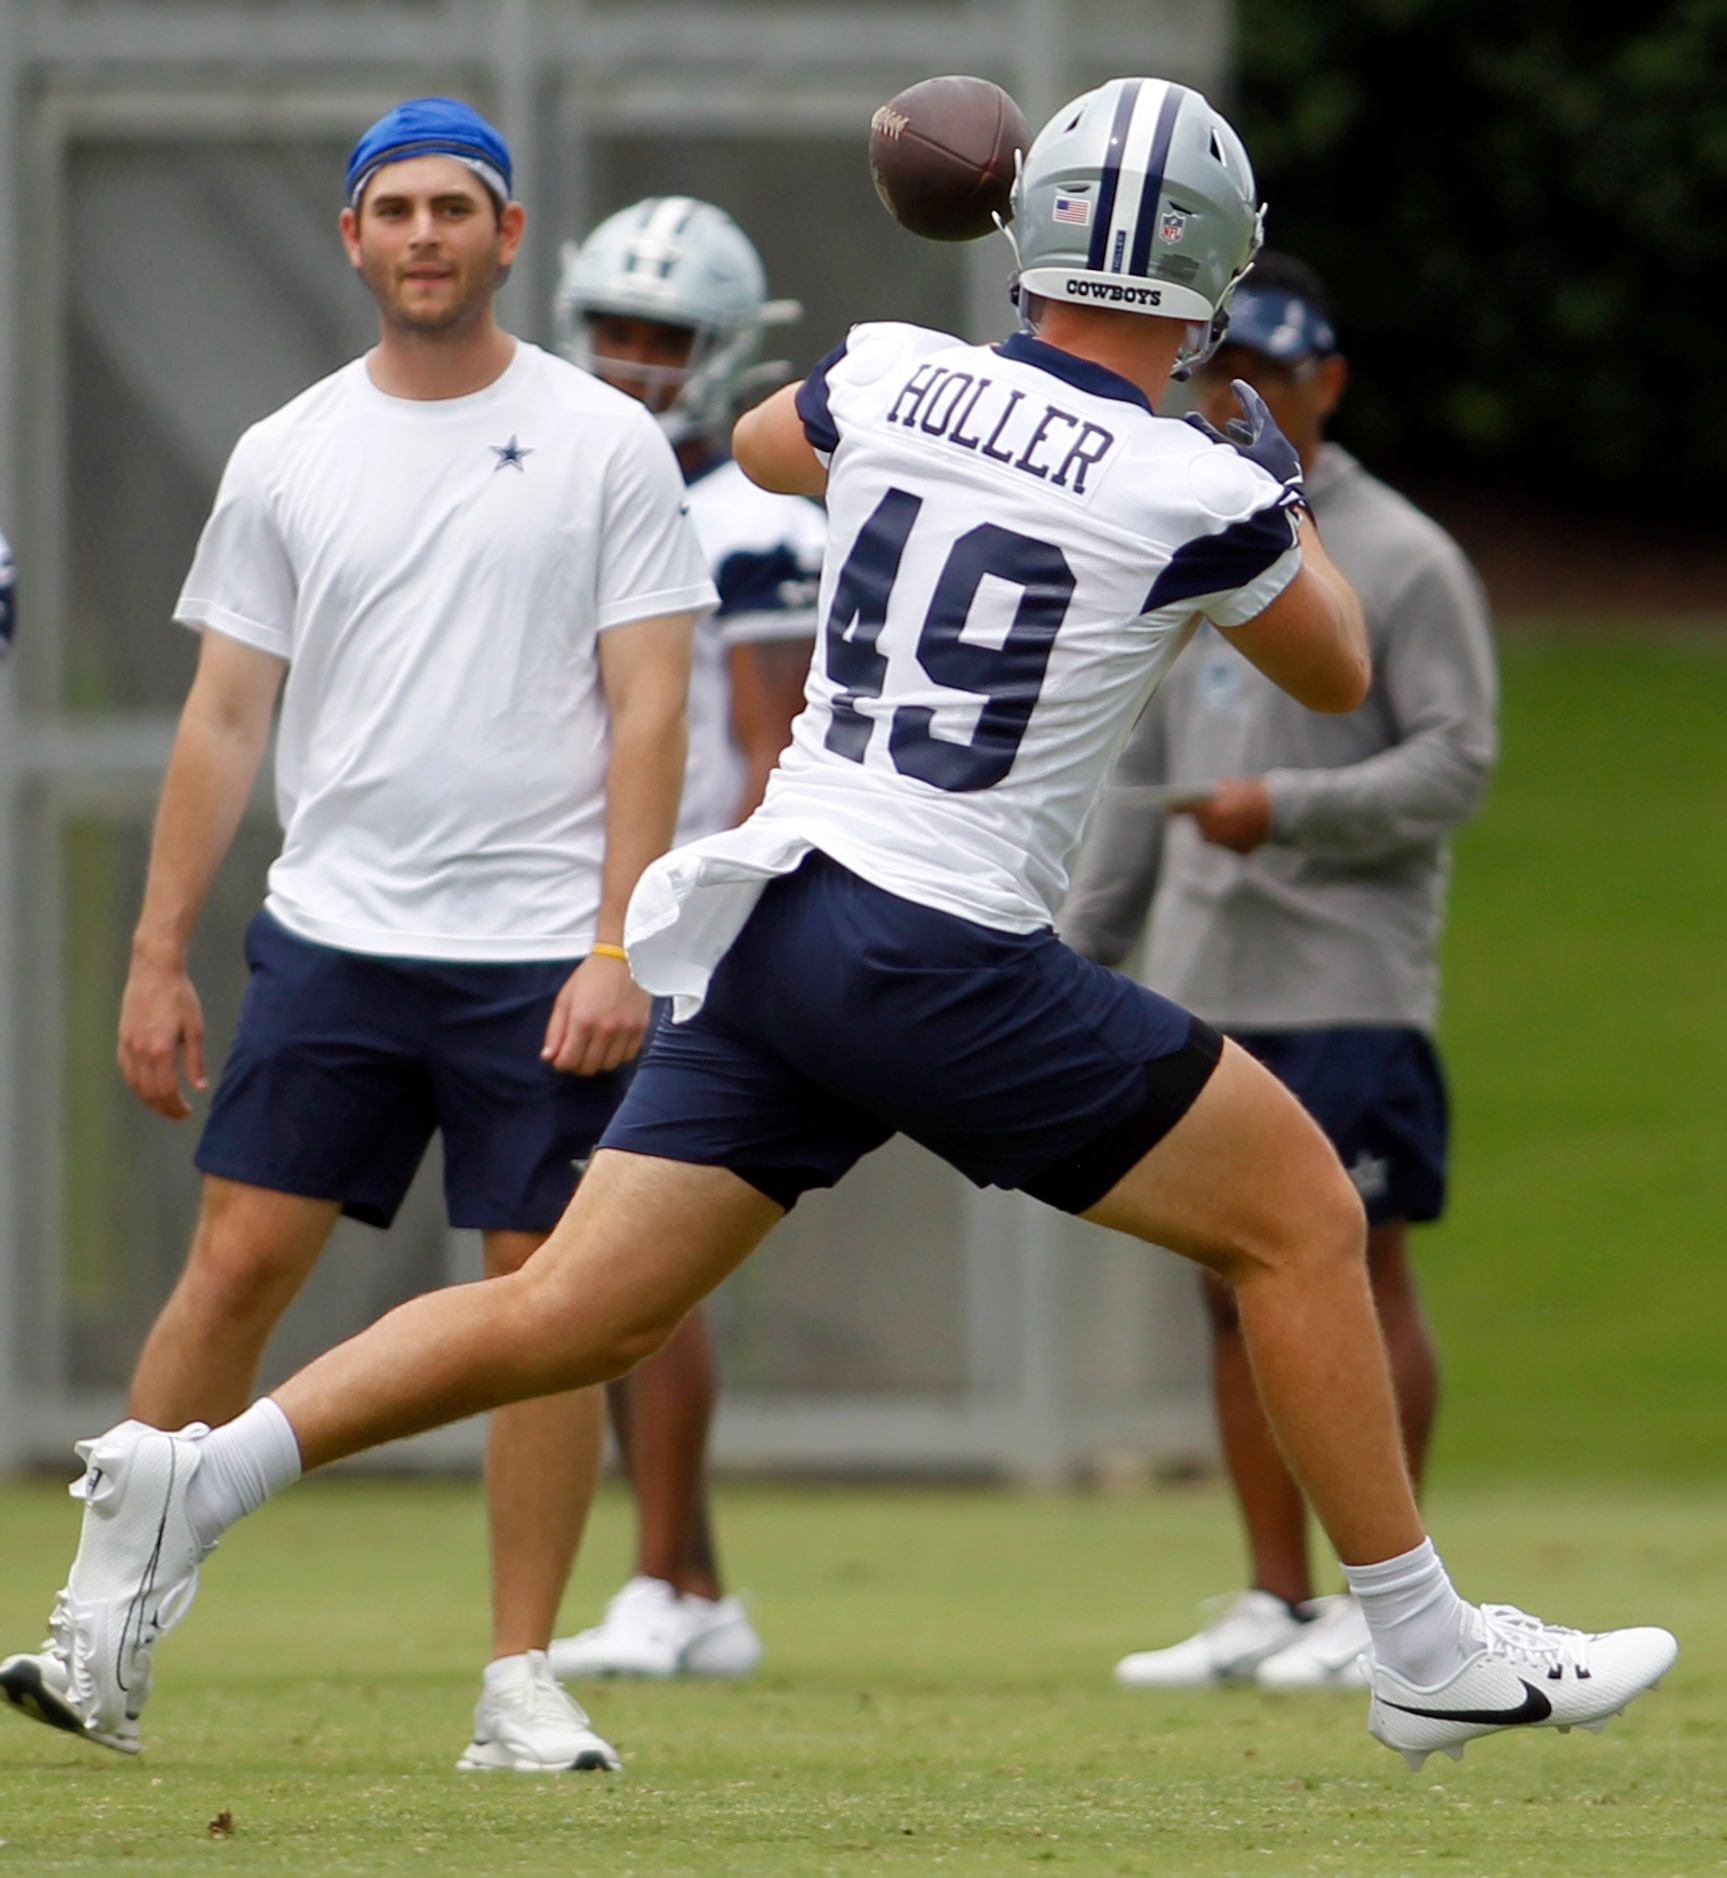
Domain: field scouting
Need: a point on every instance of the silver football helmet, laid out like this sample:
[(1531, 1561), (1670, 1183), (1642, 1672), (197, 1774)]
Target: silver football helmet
[(1138, 195), (682, 263)]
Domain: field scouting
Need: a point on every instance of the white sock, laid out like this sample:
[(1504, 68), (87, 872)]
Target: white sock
[(239, 1467), (502, 1667), (1418, 1622)]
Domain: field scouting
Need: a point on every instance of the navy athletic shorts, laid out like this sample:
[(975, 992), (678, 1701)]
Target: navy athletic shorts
[(344, 1065), (1379, 1094), (843, 1015)]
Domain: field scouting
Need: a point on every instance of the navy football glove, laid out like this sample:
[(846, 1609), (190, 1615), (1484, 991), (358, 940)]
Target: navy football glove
[(1256, 436)]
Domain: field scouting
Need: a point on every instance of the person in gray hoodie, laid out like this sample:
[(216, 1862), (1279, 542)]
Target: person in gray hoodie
[(1295, 867)]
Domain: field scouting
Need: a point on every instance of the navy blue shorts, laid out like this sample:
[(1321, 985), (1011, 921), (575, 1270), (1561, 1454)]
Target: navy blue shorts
[(1379, 1094), (344, 1065), (843, 1015)]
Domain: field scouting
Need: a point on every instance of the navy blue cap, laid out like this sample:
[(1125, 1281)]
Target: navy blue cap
[(431, 127), (1278, 323)]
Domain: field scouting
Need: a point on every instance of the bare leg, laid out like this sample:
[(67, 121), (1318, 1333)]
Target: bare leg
[(660, 1412), (1414, 1367), (542, 1463), (252, 1249), (1246, 1185), (643, 1242), (1272, 1508)]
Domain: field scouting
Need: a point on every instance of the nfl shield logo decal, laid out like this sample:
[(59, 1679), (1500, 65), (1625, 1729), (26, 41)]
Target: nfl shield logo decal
[(1174, 225)]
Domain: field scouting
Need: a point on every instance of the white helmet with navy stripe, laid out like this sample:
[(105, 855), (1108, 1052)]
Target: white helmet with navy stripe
[(682, 263), (1139, 196)]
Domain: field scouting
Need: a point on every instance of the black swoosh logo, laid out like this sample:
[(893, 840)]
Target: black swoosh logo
[(1534, 1707)]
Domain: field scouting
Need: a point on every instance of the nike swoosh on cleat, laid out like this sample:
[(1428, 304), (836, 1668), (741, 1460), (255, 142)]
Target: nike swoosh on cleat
[(1534, 1707)]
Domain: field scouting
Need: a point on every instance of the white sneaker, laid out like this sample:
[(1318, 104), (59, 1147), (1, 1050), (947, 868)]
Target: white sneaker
[(133, 1579), (525, 1723), (1529, 1675), (1246, 1630), (1331, 1650), (644, 1633), (722, 1640)]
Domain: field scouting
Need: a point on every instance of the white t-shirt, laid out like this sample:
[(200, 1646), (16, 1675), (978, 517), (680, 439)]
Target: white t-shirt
[(437, 573), (1018, 549), (765, 554)]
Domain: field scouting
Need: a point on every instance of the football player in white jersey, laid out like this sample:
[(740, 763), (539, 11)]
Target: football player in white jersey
[(667, 300), (463, 564), (873, 950)]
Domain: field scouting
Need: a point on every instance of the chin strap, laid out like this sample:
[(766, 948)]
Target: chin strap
[(1013, 292)]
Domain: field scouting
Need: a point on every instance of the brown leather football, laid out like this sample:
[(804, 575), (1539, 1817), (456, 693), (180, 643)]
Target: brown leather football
[(943, 155)]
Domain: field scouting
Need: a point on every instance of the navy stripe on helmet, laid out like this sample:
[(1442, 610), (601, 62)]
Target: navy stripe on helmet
[(1097, 259), (1155, 164)]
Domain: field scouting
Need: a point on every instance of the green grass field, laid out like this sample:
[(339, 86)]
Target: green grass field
[(936, 1697), (937, 1692), (1578, 1287)]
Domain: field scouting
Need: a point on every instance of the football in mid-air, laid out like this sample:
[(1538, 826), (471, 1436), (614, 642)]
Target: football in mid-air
[(943, 155)]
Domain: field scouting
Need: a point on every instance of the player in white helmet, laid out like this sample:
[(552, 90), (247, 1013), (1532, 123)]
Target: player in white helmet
[(667, 300), (1018, 548)]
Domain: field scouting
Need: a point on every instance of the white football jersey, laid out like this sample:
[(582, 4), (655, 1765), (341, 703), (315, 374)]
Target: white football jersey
[(764, 552), (437, 574), (1018, 547)]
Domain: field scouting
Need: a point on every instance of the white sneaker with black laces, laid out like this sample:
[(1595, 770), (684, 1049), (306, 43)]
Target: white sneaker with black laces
[(525, 1723), (1246, 1630), (133, 1579), (644, 1632), (1330, 1651), (720, 1641), (1527, 1675)]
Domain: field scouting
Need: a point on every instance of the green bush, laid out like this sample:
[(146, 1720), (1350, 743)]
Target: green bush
[(1519, 211)]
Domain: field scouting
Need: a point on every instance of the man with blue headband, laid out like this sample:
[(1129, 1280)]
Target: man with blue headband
[(1300, 887), (465, 566)]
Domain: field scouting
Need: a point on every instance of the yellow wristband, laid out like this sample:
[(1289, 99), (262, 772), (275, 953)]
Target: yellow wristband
[(600, 950)]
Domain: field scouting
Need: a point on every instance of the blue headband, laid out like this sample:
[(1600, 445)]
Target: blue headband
[(1278, 323), (431, 127)]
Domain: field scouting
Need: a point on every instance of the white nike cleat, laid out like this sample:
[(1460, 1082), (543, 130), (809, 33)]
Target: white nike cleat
[(722, 1642), (526, 1724), (644, 1633), (1528, 1675), (1332, 1650), (1246, 1630), (38, 1683), (133, 1579)]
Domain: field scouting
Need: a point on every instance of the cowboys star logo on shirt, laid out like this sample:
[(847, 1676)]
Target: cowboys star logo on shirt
[(512, 453)]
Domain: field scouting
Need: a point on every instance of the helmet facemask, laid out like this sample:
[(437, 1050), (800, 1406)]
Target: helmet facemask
[(683, 264)]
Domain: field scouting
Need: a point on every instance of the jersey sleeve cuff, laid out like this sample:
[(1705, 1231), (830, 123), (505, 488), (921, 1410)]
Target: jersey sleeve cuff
[(754, 629), (207, 616), (702, 598), (813, 406), (1249, 601)]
